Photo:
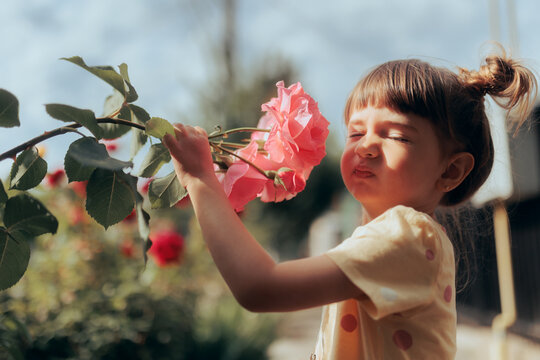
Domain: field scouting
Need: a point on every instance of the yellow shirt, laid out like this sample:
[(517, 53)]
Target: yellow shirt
[(404, 262)]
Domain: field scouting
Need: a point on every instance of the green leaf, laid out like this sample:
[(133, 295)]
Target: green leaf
[(14, 257), (124, 71), (3, 199), (158, 127), (143, 218), (68, 113), (3, 194), (105, 73), (26, 214), (113, 103), (113, 131), (75, 171), (114, 107), (9, 109), (86, 153), (166, 192), (131, 96), (28, 170), (157, 156), (138, 140), (143, 222), (140, 115), (109, 197)]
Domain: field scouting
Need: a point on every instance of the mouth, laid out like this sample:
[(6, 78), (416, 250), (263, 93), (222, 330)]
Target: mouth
[(363, 172)]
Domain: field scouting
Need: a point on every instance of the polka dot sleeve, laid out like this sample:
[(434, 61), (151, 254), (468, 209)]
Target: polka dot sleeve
[(394, 259)]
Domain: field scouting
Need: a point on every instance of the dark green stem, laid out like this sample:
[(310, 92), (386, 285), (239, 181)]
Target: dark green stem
[(237, 130), (62, 130), (241, 158)]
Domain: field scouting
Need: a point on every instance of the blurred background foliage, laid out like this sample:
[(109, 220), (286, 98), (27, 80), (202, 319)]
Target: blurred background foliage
[(87, 293)]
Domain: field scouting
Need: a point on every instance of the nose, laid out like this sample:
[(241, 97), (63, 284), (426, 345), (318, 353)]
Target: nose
[(368, 146)]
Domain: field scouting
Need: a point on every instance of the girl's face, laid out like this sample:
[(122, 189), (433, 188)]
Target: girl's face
[(392, 159)]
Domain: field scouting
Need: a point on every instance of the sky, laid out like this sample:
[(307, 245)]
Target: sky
[(167, 45)]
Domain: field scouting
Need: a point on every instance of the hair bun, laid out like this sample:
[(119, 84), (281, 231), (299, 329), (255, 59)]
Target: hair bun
[(511, 84), (493, 77)]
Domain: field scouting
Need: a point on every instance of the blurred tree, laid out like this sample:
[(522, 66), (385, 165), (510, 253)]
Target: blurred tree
[(232, 98)]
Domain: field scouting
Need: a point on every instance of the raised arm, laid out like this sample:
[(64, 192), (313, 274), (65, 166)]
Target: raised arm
[(256, 281)]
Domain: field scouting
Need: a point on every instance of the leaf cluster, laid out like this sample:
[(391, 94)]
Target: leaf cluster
[(111, 189)]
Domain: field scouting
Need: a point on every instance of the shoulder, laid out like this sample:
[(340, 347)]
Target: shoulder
[(402, 224)]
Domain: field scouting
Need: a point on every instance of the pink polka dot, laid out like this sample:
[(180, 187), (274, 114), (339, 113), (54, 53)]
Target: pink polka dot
[(448, 294), (349, 323), (402, 339), (430, 255)]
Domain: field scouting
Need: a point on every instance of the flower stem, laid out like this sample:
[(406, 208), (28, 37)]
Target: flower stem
[(229, 144), (62, 130), (241, 158), (237, 130)]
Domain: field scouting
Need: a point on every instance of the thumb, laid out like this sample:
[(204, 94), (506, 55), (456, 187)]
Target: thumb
[(169, 141), (171, 144)]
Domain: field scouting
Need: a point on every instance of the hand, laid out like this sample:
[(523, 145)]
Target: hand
[(190, 153)]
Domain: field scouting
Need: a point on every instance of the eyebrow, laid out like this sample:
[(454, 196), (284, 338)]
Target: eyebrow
[(389, 123)]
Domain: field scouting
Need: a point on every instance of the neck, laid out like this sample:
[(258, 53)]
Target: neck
[(370, 212)]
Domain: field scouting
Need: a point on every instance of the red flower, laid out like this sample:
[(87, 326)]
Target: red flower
[(127, 248), (79, 187), (77, 216), (146, 185), (167, 247), (131, 217), (55, 178), (183, 203), (111, 146)]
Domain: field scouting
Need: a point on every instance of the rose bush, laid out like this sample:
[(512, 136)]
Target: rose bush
[(273, 164)]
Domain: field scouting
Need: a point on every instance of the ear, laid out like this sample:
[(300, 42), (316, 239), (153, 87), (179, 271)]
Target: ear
[(458, 167)]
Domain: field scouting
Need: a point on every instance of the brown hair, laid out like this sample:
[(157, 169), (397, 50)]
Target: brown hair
[(453, 102)]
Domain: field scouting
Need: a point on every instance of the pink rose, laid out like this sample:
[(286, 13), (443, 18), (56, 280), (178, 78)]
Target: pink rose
[(242, 182), (167, 247), (293, 182), (294, 145), (299, 129)]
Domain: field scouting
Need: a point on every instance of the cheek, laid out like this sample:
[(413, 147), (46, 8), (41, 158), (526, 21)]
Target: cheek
[(346, 164), (405, 168)]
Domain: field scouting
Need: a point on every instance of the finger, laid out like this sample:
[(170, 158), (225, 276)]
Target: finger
[(178, 126), (168, 141), (201, 131), (178, 132)]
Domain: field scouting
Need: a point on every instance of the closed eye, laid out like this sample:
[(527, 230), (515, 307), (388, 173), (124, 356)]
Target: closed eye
[(353, 135), (400, 139)]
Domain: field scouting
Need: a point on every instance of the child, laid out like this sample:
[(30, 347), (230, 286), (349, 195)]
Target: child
[(418, 137)]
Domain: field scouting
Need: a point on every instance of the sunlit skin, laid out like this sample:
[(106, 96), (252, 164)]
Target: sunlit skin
[(392, 159)]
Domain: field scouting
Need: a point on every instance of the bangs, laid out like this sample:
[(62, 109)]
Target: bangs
[(405, 86)]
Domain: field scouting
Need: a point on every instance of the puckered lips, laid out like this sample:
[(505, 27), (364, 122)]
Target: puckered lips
[(363, 172)]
